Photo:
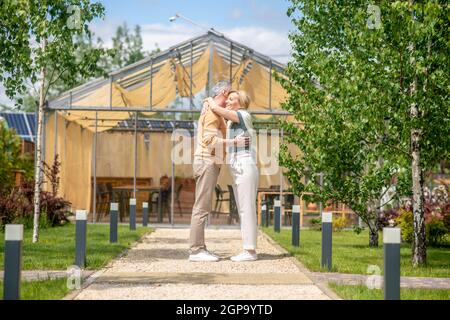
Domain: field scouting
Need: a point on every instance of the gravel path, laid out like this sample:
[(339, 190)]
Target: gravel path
[(158, 268)]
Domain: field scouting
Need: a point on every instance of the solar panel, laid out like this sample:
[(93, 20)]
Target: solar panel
[(22, 123), (157, 124), (184, 125), (31, 117), (161, 125), (17, 121)]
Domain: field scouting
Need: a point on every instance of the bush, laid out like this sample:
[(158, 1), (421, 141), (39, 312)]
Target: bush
[(316, 224), (55, 208), (357, 229), (388, 218), (340, 223), (11, 158), (17, 205), (28, 221), (446, 221), (436, 232), (406, 222)]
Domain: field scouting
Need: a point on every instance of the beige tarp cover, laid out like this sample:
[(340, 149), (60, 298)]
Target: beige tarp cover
[(172, 80), (74, 149), (115, 152), (115, 158)]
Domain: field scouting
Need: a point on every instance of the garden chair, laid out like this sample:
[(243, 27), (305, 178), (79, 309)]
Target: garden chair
[(234, 214), (219, 199)]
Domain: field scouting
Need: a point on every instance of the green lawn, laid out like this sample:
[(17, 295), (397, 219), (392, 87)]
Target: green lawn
[(41, 290), (363, 293), (351, 253), (56, 247)]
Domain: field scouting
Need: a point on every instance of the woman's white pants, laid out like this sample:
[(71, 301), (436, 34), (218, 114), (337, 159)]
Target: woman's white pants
[(245, 176)]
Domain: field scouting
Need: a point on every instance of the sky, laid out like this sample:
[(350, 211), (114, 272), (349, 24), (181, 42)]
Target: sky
[(260, 24)]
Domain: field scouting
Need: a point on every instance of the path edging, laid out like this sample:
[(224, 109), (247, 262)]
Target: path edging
[(93, 277), (321, 284)]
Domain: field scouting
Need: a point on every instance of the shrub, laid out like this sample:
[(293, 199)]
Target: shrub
[(340, 223), (11, 158), (316, 224), (446, 221), (28, 221), (388, 218), (357, 229), (406, 222), (56, 209), (436, 232), (17, 205)]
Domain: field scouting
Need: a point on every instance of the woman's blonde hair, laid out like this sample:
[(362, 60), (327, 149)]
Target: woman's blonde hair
[(244, 98)]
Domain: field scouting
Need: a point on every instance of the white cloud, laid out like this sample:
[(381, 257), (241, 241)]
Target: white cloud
[(167, 35), (267, 41), (272, 43)]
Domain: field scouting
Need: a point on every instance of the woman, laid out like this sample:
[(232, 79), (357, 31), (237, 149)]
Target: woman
[(243, 169)]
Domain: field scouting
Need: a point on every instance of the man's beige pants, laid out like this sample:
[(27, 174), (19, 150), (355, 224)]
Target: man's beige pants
[(205, 174)]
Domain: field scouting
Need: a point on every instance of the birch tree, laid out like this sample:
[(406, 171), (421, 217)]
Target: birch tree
[(370, 82), (37, 43)]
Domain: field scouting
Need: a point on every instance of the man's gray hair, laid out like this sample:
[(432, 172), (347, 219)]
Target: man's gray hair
[(219, 87)]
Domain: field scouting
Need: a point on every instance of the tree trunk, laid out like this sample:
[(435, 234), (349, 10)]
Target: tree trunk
[(373, 237), (372, 224), (419, 249), (38, 164)]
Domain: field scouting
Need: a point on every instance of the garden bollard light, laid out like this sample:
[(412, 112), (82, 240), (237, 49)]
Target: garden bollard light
[(144, 214), (296, 225), (277, 215), (264, 216), (391, 241), (113, 222), (327, 234), (132, 214), (80, 238), (13, 261)]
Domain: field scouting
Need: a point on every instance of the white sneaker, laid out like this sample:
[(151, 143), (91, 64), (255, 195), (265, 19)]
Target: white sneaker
[(203, 256), (245, 256)]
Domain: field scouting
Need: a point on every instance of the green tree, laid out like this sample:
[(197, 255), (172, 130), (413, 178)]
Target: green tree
[(37, 41), (11, 158), (128, 47), (370, 83), (84, 44)]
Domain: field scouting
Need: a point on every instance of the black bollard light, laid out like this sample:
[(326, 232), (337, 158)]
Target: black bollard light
[(391, 243), (144, 214), (327, 235), (132, 214), (296, 225), (80, 238), (277, 215), (13, 261), (113, 222)]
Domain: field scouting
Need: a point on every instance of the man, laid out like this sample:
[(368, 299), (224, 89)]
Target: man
[(208, 157)]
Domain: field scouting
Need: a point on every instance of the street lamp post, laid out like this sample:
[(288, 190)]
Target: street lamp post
[(177, 15)]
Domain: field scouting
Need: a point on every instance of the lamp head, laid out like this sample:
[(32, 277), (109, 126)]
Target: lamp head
[(172, 19)]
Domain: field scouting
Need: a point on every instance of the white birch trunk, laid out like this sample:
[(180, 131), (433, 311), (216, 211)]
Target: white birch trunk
[(38, 165)]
